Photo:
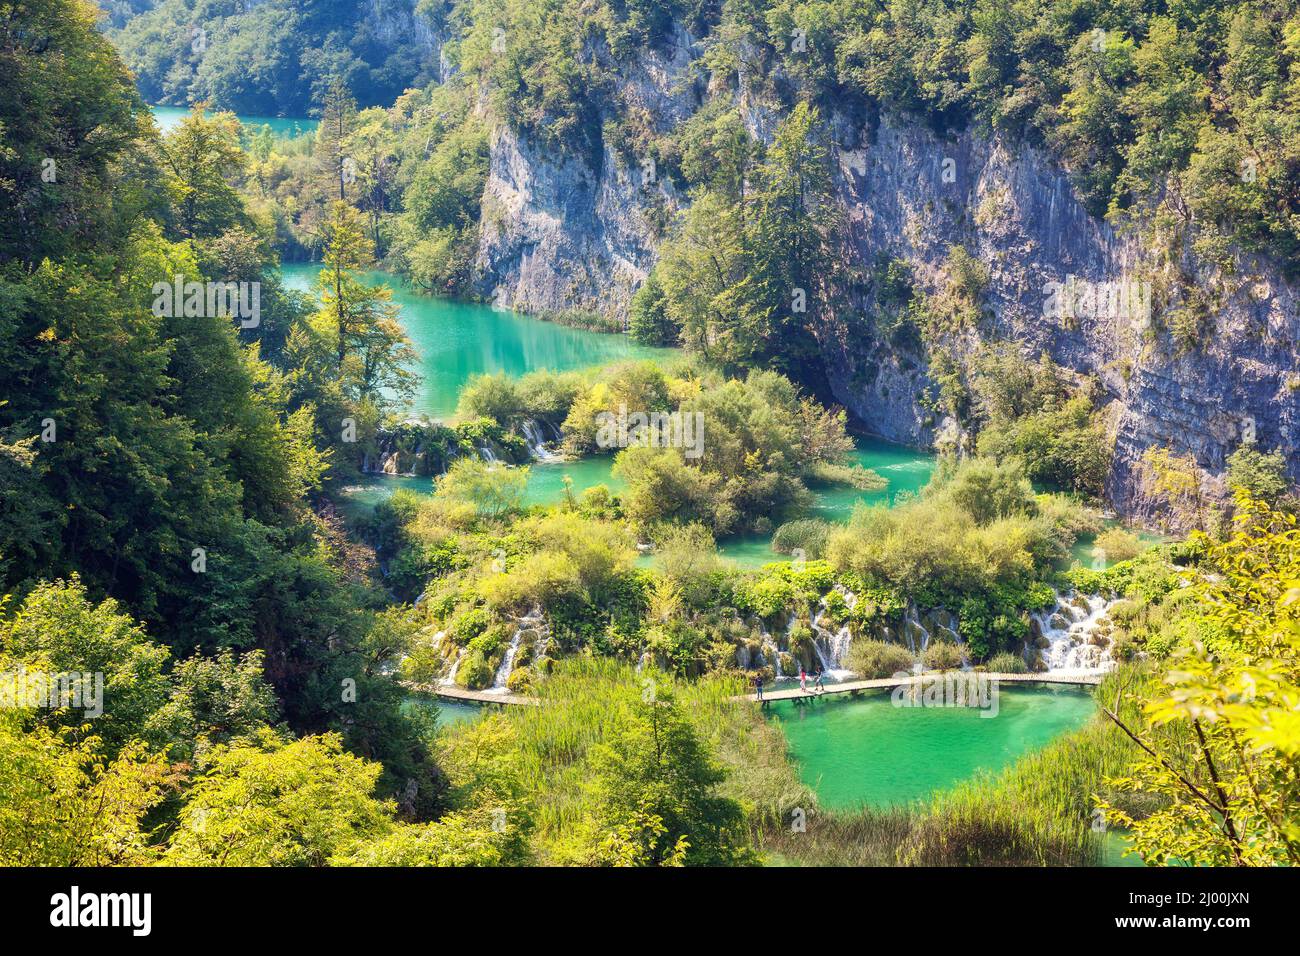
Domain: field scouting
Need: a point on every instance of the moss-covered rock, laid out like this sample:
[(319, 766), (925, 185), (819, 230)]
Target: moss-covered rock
[(475, 672)]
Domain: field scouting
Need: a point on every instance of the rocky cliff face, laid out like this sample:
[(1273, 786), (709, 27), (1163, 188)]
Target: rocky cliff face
[(566, 232), (911, 195), (396, 24), (561, 232)]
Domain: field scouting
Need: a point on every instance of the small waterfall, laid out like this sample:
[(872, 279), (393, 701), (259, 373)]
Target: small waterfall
[(771, 652), (450, 679), (535, 435), (944, 621), (914, 632), (789, 629), (488, 454), (1073, 642), (529, 624), (773, 658), (508, 661), (831, 647)]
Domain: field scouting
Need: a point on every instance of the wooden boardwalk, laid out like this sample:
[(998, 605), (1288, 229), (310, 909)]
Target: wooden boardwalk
[(886, 683), (453, 692)]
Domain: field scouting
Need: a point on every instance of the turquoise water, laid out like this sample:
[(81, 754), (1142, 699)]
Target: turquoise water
[(449, 711), (545, 482), (865, 750), (459, 339), (168, 117), (907, 470), (1114, 843), (1081, 554)]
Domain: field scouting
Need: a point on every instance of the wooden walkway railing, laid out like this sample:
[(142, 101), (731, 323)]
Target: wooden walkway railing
[(452, 692), (885, 683)]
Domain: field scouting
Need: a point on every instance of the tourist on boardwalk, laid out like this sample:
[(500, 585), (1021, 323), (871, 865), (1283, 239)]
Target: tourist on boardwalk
[(758, 685), (803, 680), (819, 684)]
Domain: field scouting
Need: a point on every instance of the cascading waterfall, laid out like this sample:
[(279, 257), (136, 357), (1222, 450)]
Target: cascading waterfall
[(450, 679), (771, 653), (535, 435), (528, 624), (488, 454), (789, 629), (508, 661), (1075, 643), (831, 647), (914, 632)]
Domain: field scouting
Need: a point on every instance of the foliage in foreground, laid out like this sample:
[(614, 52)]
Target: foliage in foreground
[(1231, 693)]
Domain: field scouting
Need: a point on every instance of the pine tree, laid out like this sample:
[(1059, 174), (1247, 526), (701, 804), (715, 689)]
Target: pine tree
[(338, 119)]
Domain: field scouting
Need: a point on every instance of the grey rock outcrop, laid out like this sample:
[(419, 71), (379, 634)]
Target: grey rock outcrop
[(563, 232)]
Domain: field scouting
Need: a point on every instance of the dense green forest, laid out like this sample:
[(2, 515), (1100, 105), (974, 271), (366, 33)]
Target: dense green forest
[(174, 476), (269, 58)]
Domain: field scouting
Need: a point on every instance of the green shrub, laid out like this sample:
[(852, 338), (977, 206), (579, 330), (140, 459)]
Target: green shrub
[(492, 640), (470, 625), (875, 659), (1007, 662), (1117, 544), (474, 672), (837, 608), (800, 643), (941, 656), (520, 680), (807, 534)]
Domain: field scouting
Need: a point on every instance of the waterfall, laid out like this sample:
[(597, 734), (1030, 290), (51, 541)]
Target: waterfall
[(529, 624), (771, 653), (488, 454), (536, 438), (831, 647), (450, 679), (1074, 644), (789, 629), (508, 661), (914, 632)]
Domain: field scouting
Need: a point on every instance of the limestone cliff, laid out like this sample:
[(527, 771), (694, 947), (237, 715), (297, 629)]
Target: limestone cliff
[(567, 232)]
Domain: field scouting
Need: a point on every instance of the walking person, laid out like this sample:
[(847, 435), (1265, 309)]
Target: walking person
[(819, 684), (758, 685), (803, 680)]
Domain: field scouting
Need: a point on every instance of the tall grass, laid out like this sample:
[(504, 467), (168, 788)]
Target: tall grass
[(585, 696)]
